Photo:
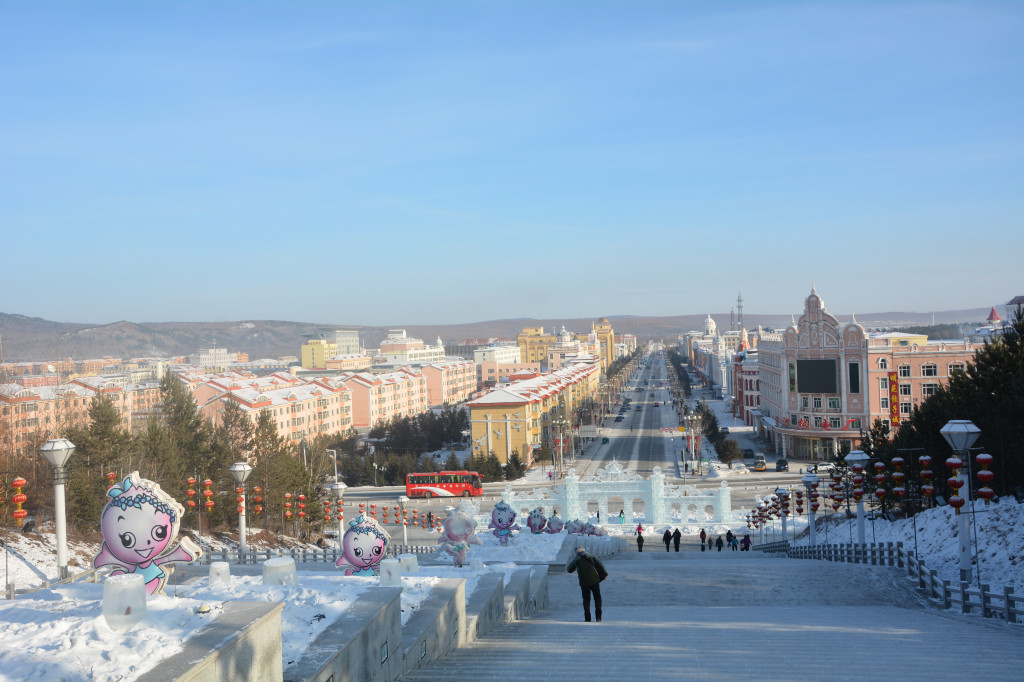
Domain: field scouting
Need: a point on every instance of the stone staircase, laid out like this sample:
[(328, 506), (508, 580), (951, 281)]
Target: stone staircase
[(738, 615)]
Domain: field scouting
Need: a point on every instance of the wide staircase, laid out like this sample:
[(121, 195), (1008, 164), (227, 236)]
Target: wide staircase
[(739, 616)]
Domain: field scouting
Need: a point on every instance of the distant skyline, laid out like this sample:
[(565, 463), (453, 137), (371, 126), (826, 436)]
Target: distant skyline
[(451, 162)]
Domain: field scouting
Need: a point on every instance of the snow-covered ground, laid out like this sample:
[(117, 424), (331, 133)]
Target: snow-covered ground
[(60, 633), (1000, 540)]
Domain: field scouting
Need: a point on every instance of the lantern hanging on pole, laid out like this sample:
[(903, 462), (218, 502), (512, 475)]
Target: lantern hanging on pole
[(927, 489), (954, 464), (985, 476), (111, 477), (208, 494), (191, 492), (19, 498)]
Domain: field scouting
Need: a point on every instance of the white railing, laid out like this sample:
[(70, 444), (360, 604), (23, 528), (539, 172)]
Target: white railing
[(1004, 604)]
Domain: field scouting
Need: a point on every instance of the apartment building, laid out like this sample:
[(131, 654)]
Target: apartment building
[(302, 411), (376, 397), (31, 415), (449, 382), (532, 411), (401, 349), (315, 352)]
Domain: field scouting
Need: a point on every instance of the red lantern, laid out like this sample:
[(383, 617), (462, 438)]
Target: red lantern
[(880, 493), (927, 490), (815, 506), (111, 477), (257, 510), (956, 503), (985, 476)]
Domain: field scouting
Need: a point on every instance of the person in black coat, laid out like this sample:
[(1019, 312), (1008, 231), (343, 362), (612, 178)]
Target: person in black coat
[(591, 573), (667, 538), (703, 538), (640, 538), (719, 543), (676, 537)]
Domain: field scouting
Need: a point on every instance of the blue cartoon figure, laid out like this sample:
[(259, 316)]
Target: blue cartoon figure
[(503, 521), (139, 525), (363, 547)]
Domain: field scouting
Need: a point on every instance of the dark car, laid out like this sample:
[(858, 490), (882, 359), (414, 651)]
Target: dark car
[(781, 465), (618, 419), (747, 453)]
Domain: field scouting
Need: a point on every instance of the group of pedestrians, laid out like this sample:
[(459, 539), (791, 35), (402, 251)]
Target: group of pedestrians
[(671, 537)]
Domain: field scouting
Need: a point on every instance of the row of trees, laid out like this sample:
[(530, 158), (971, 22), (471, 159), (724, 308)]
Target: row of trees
[(727, 449), (676, 361)]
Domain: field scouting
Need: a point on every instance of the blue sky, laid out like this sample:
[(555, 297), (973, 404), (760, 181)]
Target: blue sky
[(443, 162)]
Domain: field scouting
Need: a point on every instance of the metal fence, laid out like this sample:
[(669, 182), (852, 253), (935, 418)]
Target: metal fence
[(1004, 604)]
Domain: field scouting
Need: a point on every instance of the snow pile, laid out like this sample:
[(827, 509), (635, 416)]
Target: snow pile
[(1000, 531), (59, 634), (522, 546)]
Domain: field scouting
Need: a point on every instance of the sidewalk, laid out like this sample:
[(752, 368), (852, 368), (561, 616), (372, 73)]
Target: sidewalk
[(740, 616)]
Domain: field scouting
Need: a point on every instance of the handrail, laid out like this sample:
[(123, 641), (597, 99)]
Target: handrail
[(1004, 605)]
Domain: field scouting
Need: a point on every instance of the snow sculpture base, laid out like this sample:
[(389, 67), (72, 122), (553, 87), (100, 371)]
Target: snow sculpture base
[(279, 571), (124, 600)]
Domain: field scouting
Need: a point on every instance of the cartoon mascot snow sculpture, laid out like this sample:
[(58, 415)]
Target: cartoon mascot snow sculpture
[(363, 547), (458, 534), (139, 525), (536, 521), (555, 525), (503, 521), (574, 527)]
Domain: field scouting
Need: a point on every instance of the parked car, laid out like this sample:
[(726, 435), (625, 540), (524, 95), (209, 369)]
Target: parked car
[(781, 465), (619, 418), (747, 452), (821, 468)]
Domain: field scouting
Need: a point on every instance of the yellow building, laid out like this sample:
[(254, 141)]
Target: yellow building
[(315, 353), (605, 341), (534, 344), (528, 413)]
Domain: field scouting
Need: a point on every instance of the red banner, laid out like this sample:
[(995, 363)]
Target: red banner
[(894, 399)]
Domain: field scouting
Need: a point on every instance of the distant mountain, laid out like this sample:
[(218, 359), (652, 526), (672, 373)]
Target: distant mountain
[(25, 338)]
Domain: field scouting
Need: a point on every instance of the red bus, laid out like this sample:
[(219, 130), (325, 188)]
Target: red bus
[(444, 484)]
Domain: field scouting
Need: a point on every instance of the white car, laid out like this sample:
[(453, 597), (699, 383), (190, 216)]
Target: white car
[(821, 468)]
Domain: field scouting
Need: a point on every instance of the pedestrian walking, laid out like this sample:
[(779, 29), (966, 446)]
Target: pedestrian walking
[(667, 538), (676, 537), (640, 538), (719, 543), (745, 544), (703, 538), (622, 516), (590, 572), (728, 537), (735, 544)]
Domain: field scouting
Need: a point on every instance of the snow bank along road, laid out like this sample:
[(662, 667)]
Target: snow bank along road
[(740, 616)]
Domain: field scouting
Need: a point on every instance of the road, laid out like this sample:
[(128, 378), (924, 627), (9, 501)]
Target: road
[(645, 438)]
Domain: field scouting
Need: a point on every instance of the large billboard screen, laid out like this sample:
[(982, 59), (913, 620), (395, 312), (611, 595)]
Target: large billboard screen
[(817, 376)]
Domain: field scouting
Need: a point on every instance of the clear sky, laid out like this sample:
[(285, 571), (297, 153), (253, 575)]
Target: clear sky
[(442, 162)]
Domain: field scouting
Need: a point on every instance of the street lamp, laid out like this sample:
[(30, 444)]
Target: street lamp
[(240, 471), (810, 482), (961, 434), (856, 460), (57, 452)]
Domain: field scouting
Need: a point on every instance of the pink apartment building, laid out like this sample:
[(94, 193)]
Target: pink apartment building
[(449, 382), (378, 397), (298, 411)]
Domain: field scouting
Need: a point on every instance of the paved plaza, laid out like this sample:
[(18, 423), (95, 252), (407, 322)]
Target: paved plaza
[(740, 616)]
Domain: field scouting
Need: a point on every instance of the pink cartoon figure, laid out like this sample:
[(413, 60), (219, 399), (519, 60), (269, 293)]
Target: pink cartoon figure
[(139, 525), (536, 521), (574, 526), (363, 547), (503, 521), (458, 534), (555, 525)]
